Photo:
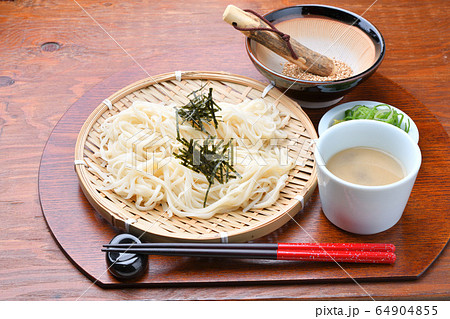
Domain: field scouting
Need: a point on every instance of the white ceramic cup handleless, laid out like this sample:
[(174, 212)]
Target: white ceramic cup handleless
[(357, 208)]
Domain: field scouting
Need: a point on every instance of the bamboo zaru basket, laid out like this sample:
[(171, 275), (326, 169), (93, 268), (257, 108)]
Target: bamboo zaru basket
[(155, 225)]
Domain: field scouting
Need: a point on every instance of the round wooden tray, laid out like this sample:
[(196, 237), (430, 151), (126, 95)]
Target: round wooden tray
[(420, 235), (235, 226)]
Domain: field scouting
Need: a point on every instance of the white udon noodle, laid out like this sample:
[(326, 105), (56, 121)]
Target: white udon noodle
[(138, 144)]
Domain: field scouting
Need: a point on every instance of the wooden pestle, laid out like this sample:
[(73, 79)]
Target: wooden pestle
[(307, 59)]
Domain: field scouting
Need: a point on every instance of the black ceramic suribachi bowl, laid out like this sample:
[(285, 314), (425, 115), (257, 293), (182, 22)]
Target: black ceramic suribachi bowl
[(336, 33)]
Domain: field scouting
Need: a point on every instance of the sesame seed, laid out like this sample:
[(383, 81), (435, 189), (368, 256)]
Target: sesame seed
[(342, 71)]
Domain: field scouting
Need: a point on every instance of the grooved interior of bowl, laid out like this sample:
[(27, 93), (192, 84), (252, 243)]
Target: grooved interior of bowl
[(329, 37)]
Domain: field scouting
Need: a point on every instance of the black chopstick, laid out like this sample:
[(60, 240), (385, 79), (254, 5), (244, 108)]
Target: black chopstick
[(199, 252), (197, 245)]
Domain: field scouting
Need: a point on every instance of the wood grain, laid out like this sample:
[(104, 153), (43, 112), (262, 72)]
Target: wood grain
[(41, 85)]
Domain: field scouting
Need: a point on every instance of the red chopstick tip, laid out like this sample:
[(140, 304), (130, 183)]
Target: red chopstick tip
[(394, 257), (371, 257), (337, 247)]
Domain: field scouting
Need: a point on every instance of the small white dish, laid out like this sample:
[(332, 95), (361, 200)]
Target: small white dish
[(363, 209), (337, 113)]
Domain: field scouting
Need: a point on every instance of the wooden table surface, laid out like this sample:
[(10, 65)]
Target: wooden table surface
[(53, 52)]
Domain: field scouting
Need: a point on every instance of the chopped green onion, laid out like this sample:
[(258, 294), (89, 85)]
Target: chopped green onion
[(388, 115)]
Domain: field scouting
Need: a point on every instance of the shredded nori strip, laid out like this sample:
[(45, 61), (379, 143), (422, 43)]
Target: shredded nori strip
[(213, 158), (201, 109)]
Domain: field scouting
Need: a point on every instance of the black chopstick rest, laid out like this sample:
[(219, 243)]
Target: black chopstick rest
[(125, 265)]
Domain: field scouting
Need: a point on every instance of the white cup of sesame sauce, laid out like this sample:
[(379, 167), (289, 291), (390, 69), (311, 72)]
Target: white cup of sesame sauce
[(366, 171)]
